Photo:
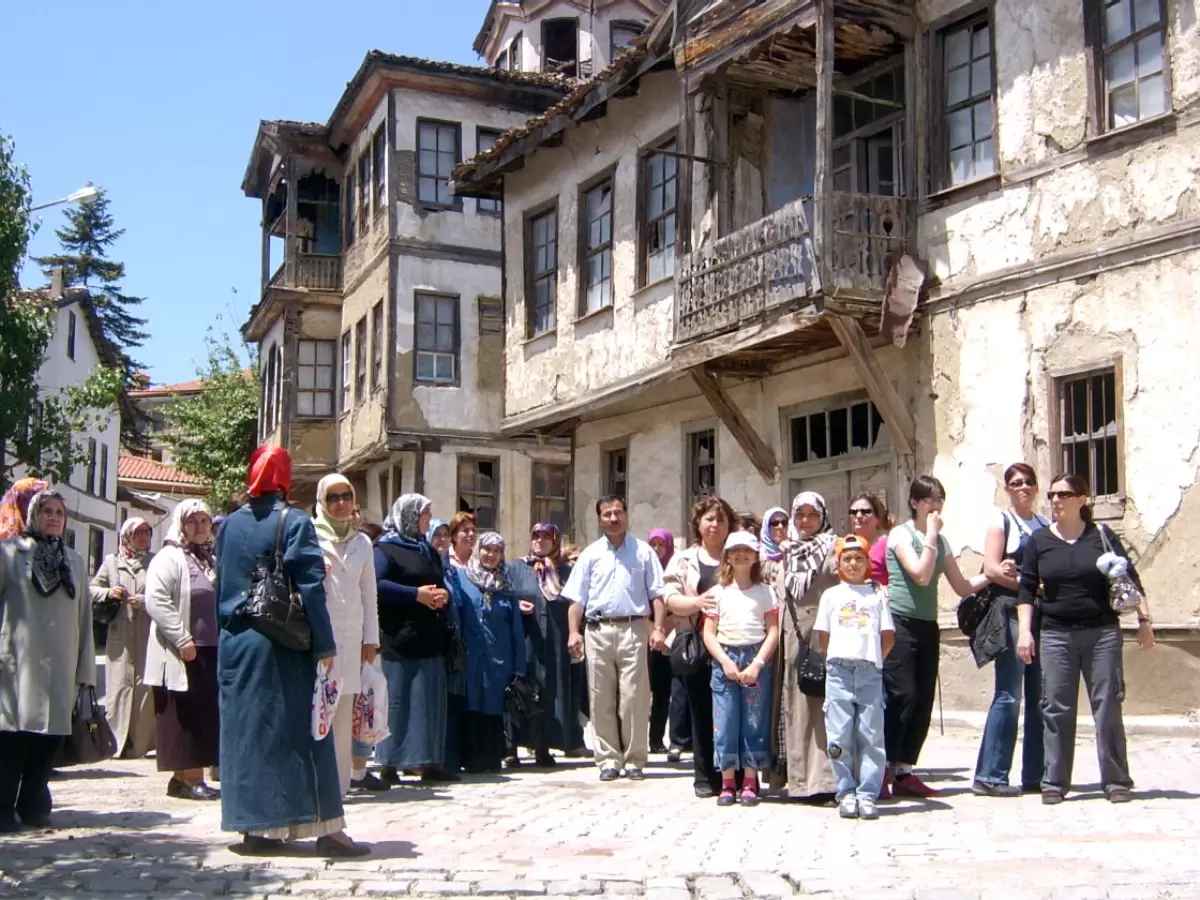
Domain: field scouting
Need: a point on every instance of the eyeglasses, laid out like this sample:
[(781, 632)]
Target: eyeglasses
[(1062, 495), (1021, 482), (339, 498), (779, 523), (862, 512)]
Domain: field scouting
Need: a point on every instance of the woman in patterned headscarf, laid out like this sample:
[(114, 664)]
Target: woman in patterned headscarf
[(801, 759), (118, 594), (415, 640), (45, 654), (495, 639)]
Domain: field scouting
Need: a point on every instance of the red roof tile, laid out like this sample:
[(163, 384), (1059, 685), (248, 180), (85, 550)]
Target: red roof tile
[(139, 468)]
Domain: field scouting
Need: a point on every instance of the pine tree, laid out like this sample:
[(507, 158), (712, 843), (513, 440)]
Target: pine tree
[(85, 242)]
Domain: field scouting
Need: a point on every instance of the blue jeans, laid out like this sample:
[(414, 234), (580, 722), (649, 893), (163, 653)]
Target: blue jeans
[(361, 750), (1000, 733), (854, 726), (741, 715)]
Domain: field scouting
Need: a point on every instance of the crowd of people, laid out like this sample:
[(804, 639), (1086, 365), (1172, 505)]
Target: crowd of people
[(783, 656)]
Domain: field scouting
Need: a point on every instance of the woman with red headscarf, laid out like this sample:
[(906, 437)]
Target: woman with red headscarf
[(278, 783)]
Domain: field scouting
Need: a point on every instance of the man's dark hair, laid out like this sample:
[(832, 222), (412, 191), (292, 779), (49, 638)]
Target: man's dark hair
[(611, 498)]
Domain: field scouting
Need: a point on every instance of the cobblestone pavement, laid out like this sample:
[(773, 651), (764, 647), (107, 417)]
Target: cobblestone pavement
[(561, 833)]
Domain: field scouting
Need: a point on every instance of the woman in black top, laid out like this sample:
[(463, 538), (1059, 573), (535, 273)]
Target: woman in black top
[(1080, 633), (415, 629)]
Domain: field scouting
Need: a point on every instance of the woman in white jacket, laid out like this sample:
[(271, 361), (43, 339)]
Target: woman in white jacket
[(181, 654), (353, 610)]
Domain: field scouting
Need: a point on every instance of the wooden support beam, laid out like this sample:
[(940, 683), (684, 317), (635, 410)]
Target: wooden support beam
[(292, 224), (739, 426), (823, 176), (895, 414)]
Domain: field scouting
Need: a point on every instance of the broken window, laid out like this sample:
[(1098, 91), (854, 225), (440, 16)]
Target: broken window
[(596, 215), (437, 155), (478, 490), (550, 495), (560, 47), (702, 464), (832, 433), (1090, 420), (616, 473), (621, 37), (437, 338), (659, 181), (512, 59), (1132, 64), (968, 148), (541, 267)]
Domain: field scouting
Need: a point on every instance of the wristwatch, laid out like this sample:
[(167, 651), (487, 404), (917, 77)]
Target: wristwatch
[(1145, 620)]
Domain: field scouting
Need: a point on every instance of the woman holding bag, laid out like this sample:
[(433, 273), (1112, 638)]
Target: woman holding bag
[(353, 612)]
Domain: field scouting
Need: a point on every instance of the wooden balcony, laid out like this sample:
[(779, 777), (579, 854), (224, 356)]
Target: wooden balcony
[(772, 263), (314, 271)]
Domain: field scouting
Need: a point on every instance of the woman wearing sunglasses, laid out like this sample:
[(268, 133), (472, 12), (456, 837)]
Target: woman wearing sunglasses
[(869, 521), (1080, 634), (1003, 552)]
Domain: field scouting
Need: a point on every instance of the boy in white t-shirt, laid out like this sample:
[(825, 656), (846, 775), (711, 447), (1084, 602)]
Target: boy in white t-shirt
[(855, 632)]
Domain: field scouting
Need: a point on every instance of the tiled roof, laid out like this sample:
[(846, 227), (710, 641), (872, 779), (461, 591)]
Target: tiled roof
[(140, 468), (184, 387)]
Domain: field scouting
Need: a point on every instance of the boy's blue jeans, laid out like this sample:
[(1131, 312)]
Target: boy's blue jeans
[(1000, 733), (854, 725), (741, 715)]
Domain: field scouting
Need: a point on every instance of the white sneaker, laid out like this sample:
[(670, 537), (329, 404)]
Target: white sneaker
[(867, 810), (848, 807)]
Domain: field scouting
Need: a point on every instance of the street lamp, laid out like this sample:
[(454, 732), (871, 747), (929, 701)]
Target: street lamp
[(84, 195)]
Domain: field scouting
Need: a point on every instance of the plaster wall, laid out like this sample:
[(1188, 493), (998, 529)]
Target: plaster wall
[(632, 335), (361, 418), (1066, 187), (371, 238)]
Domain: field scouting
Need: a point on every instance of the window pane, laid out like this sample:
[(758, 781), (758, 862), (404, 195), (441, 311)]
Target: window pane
[(305, 378), (1116, 21), (1152, 97), (1121, 67), (817, 436), (1122, 106), (427, 137), (308, 353), (1079, 408), (983, 119), (324, 378), (843, 115), (958, 87), (1149, 54), (427, 161), (304, 403), (981, 43), (981, 77), (1146, 13), (325, 353), (960, 127), (324, 404), (445, 164), (425, 366), (445, 338), (426, 337), (958, 47), (961, 165), (985, 158)]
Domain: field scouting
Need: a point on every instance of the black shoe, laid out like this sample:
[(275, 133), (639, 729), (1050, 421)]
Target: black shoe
[(543, 760), (253, 845), (704, 791), (633, 773), (1031, 788), (439, 776), (1118, 795), (1052, 797), (658, 748), (674, 755), (369, 783), (609, 774), (9, 825), (328, 847), (181, 791), (389, 775), (987, 789)]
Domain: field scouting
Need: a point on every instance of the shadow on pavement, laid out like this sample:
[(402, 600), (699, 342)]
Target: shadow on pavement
[(67, 817), (84, 774), (392, 850)]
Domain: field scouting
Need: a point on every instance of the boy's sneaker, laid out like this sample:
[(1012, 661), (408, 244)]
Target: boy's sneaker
[(848, 807), (867, 810)]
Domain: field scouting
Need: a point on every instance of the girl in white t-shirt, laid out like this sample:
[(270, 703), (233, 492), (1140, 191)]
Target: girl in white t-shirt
[(854, 630), (741, 635)]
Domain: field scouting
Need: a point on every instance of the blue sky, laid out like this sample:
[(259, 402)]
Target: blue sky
[(158, 102)]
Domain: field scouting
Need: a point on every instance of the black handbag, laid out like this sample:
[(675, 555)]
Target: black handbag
[(91, 740), (810, 671), (273, 606), (688, 655), (523, 702)]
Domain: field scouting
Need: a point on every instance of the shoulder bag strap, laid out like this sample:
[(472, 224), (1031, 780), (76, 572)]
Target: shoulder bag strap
[(279, 533), (1104, 539)]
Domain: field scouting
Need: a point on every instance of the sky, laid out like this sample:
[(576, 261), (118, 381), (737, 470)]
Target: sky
[(159, 102)]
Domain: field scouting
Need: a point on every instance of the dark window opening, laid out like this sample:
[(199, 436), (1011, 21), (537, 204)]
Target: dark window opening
[(560, 47)]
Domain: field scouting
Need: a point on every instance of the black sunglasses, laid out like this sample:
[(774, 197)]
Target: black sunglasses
[(855, 511), (1021, 482), (776, 523), (1062, 495), (339, 498)]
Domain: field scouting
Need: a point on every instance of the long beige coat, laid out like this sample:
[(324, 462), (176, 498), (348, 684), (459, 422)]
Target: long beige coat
[(128, 701), (797, 718), (45, 644)]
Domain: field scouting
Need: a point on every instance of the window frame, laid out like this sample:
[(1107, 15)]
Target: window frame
[(379, 167), (690, 432), (72, 324), (102, 486), (498, 210), (608, 484), (90, 484), (378, 337), (346, 360), (938, 134), (535, 498), (360, 360), (350, 207), (631, 24), (459, 493), (1107, 505), (514, 52), (364, 191), (584, 253), (316, 366), (880, 453), (456, 381), (455, 202), (532, 216), (1097, 57), (668, 142)]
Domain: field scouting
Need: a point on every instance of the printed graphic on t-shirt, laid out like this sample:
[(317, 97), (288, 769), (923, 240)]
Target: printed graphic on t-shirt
[(854, 617)]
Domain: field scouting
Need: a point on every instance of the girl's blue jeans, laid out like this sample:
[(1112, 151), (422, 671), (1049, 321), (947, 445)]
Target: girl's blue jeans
[(854, 726), (741, 715)]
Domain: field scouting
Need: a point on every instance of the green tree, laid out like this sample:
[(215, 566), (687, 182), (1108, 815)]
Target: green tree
[(86, 241), (213, 433), (38, 432)]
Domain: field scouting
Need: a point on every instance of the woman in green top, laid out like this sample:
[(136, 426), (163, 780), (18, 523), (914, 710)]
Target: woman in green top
[(917, 554)]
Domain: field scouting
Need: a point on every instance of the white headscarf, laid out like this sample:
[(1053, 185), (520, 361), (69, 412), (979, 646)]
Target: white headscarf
[(201, 554)]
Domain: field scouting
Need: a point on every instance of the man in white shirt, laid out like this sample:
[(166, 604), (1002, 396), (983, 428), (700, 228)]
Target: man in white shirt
[(855, 631), (616, 588)]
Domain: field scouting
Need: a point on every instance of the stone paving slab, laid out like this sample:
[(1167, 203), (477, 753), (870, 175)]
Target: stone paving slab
[(563, 834)]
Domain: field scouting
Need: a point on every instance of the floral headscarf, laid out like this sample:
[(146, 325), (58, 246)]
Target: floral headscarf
[(771, 549), (127, 551), (487, 580), (51, 568), (546, 567), (201, 553), (807, 553), (15, 505), (404, 523), (330, 530)]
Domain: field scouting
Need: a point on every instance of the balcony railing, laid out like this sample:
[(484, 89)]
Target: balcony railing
[(733, 279), (772, 262), (315, 271)]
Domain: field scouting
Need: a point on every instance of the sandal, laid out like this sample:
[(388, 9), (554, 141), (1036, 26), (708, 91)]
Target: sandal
[(1051, 797), (750, 795), (1118, 795), (726, 797)]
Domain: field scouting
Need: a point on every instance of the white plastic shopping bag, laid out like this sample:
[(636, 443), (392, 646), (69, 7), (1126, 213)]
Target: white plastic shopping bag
[(326, 693), (371, 708)]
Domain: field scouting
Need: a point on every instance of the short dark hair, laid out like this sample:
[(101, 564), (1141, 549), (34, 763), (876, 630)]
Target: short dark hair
[(750, 521), (1079, 485), (924, 487), (1020, 468), (705, 505), (611, 498)]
